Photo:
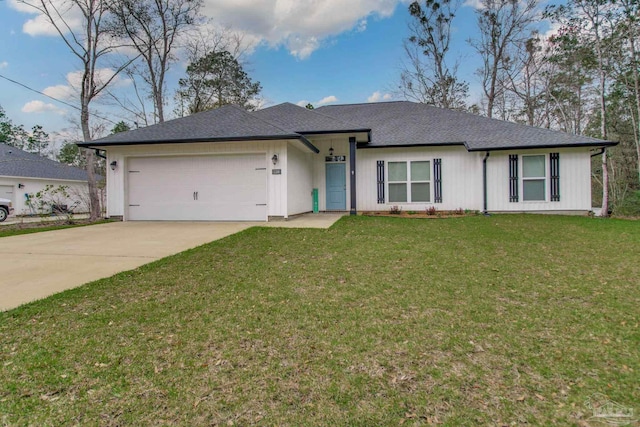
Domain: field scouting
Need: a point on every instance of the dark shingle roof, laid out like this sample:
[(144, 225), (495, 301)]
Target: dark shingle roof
[(408, 123), (391, 124), (305, 121), (15, 162), (225, 123)]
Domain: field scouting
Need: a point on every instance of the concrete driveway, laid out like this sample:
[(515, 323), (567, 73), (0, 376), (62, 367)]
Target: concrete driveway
[(34, 266)]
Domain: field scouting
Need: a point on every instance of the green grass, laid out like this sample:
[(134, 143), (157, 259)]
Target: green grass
[(38, 227), (507, 320)]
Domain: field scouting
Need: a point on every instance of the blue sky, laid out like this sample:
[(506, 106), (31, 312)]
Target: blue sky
[(307, 50)]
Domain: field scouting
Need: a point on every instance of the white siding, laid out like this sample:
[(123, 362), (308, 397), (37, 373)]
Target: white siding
[(575, 181), (299, 180), (78, 192), (461, 177), (276, 184)]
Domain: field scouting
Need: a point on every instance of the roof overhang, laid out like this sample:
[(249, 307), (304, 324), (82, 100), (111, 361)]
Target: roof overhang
[(37, 178), (363, 136), (103, 145), (593, 145), (443, 144)]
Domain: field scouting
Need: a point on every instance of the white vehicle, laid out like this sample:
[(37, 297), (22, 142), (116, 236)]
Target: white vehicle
[(5, 209)]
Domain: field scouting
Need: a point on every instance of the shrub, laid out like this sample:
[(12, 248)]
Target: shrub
[(630, 205), (395, 210)]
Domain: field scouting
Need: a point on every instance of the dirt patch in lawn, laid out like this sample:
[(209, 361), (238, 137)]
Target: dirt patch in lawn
[(428, 213)]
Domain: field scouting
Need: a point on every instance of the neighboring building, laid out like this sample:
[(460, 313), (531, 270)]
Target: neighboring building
[(230, 164), (23, 174)]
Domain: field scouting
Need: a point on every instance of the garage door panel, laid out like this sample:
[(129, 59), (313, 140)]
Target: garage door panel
[(7, 192), (196, 188)]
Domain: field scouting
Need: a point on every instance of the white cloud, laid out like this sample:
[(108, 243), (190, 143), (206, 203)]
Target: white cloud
[(3, 64), (476, 4), (62, 92), (40, 25), (298, 25), (324, 101), (379, 96), (40, 107), (70, 90), (327, 100)]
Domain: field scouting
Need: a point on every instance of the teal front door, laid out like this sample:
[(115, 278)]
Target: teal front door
[(336, 187)]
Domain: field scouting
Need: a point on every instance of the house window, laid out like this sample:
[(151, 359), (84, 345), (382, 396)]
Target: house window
[(409, 182), (397, 182), (534, 178)]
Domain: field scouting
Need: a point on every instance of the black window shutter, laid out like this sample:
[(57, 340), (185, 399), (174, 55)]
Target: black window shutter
[(437, 177), (513, 178), (380, 181), (555, 176)]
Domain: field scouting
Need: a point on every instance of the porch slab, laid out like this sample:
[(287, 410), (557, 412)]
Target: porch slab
[(308, 220)]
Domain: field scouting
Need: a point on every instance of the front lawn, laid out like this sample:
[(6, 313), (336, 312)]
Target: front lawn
[(507, 320)]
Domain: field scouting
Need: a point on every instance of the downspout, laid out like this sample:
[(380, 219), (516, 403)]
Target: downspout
[(352, 174), (601, 152), (100, 155), (484, 183)]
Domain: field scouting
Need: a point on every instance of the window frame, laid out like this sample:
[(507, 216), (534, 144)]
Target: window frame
[(390, 182), (409, 182), (544, 178)]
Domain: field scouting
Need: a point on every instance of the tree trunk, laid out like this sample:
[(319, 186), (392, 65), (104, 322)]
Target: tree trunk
[(94, 200), (159, 105), (491, 97), (603, 132)]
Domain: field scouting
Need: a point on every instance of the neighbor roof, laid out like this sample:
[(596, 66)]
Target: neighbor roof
[(19, 163), (404, 123)]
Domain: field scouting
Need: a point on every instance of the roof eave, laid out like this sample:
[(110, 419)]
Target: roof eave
[(42, 178), (429, 144), (529, 147), (333, 132), (95, 144)]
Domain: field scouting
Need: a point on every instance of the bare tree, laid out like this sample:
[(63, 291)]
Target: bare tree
[(133, 102), (153, 28), (569, 73), (593, 19), (503, 25), (432, 80), (91, 44), (209, 38), (629, 31), (526, 80)]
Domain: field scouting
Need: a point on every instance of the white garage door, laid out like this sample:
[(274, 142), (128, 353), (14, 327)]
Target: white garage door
[(198, 188), (6, 192)]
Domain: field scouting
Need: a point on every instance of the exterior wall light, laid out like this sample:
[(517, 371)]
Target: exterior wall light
[(331, 151), (113, 165), (274, 159), (20, 185)]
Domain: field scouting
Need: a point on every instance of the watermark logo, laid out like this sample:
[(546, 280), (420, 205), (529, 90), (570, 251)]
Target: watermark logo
[(608, 412)]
